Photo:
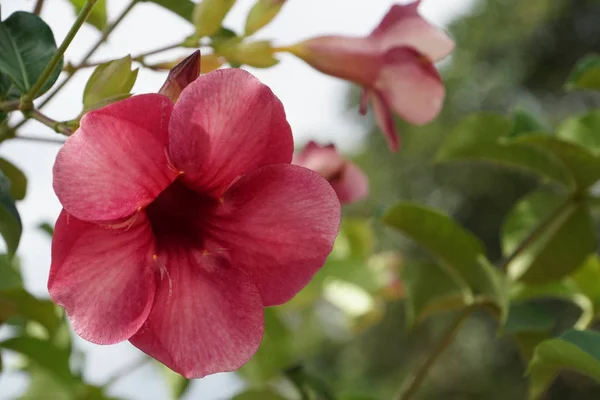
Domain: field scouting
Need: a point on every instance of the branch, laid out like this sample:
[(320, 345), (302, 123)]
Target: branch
[(38, 7), (10, 105), (139, 58), (536, 233), (446, 341), (128, 369), (39, 139), (107, 31), (83, 15), (58, 127)]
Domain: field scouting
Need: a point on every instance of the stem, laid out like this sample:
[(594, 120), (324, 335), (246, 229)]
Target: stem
[(39, 139), (139, 58), (10, 105), (446, 341), (57, 126), (128, 369), (38, 7), (535, 234), (107, 31), (83, 15)]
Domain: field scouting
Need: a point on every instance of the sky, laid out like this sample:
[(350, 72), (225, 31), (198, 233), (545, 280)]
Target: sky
[(315, 105)]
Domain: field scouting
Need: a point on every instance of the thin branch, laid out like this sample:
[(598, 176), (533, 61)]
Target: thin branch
[(536, 233), (128, 369), (139, 58), (83, 15), (446, 341), (39, 139), (107, 31), (10, 105), (38, 7), (59, 127)]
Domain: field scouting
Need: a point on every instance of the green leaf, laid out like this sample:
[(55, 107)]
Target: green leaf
[(527, 341), (10, 274), (177, 384), (478, 137), (31, 308), (587, 280), (43, 382), (559, 249), (429, 290), (97, 17), (274, 353), (586, 74), (575, 350), (110, 81), (529, 317), (259, 395), (26, 46), (183, 8), (45, 355), (525, 123), (581, 163), (47, 227), (10, 221), (18, 180), (583, 130), (456, 249)]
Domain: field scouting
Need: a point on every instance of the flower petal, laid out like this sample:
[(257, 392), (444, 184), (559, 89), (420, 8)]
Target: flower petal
[(403, 26), (411, 86), (278, 224), (225, 124), (105, 278), (207, 316), (352, 185), (325, 160), (385, 120), (115, 162)]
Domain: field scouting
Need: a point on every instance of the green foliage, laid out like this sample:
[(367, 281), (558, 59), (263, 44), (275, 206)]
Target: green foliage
[(98, 17), (31, 309), (183, 8), (208, 15), (108, 83), (525, 123), (429, 290), (566, 240), (458, 251), (484, 137), (18, 180), (583, 130), (177, 384), (576, 350), (586, 74), (261, 14), (10, 221), (10, 275), (26, 46), (264, 394)]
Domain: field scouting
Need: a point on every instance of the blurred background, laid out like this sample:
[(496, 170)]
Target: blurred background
[(510, 55)]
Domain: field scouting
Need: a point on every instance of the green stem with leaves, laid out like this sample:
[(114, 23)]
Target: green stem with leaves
[(58, 127), (37, 86), (105, 33)]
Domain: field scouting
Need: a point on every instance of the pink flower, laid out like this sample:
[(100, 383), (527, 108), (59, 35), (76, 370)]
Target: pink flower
[(394, 64), (182, 221), (348, 181)]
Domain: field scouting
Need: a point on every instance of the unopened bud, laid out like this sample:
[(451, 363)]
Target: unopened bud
[(261, 14), (257, 54), (209, 14), (181, 75)]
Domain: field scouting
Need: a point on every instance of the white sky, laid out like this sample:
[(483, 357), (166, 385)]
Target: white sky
[(314, 104)]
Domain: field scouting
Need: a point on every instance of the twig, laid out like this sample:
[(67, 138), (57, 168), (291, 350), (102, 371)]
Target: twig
[(38, 7), (107, 31), (446, 341), (10, 105), (37, 86), (39, 139), (59, 127), (139, 58), (535, 234), (128, 369)]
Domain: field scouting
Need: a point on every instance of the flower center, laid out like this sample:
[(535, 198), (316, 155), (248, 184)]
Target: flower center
[(179, 216)]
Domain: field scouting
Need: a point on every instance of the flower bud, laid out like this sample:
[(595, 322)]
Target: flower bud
[(257, 54), (209, 14), (261, 14), (181, 75), (208, 63)]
